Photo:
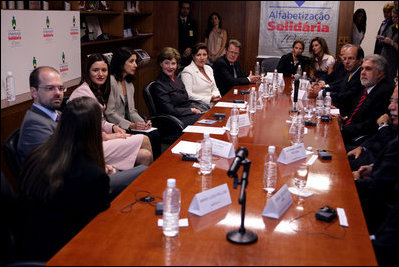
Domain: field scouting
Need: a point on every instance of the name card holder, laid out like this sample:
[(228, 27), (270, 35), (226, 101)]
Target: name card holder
[(243, 120), (292, 153), (210, 200), (222, 149), (278, 204)]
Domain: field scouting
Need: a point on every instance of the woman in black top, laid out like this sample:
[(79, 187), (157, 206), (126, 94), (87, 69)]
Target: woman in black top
[(170, 95), (288, 63), (63, 182)]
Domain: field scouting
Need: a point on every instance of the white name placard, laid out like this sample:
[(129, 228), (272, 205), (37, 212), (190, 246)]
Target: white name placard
[(278, 204), (210, 200), (292, 153), (222, 148), (243, 120)]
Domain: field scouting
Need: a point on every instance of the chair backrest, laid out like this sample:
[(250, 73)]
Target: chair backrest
[(269, 64), (149, 99), (11, 154)]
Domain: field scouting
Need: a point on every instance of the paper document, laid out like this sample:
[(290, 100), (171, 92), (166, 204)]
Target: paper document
[(229, 104), (186, 147), (204, 129), (146, 131)]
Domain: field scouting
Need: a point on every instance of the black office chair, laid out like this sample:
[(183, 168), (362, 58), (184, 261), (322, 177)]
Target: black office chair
[(11, 154), (269, 64), (170, 127)]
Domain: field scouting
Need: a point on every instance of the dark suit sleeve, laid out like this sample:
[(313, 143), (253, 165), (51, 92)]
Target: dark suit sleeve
[(164, 102), (224, 78), (33, 133)]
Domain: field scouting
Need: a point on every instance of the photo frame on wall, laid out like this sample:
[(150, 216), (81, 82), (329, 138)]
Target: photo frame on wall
[(143, 56), (93, 27)]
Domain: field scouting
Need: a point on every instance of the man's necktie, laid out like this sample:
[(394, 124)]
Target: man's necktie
[(234, 71), (58, 117), (364, 96), (350, 77)]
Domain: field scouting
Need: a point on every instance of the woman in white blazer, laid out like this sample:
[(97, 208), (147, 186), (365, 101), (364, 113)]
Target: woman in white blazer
[(198, 77)]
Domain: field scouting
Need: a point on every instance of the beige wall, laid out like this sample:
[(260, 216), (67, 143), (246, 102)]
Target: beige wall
[(374, 19)]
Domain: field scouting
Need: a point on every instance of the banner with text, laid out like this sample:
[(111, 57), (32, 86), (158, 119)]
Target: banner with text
[(282, 22)]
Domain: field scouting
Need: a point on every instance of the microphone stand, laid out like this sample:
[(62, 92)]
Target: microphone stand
[(294, 109), (242, 236)]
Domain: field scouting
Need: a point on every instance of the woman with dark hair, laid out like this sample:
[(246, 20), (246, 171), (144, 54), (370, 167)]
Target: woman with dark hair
[(321, 62), (198, 77), (215, 37), (121, 150), (359, 26), (120, 106), (289, 63), (170, 95), (63, 182)]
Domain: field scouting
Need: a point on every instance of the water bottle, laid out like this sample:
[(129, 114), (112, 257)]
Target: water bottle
[(206, 155), (296, 130), (257, 68), (10, 87), (319, 104), (275, 81), (234, 120), (171, 209), (299, 71), (304, 76), (252, 100), (270, 170), (327, 104)]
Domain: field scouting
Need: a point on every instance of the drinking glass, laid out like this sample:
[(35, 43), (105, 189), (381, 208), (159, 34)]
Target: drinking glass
[(301, 176)]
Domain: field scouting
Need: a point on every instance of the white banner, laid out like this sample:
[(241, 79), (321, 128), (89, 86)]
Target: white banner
[(30, 39), (282, 22)]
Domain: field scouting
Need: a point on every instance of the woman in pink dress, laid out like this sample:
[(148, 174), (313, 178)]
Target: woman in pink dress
[(121, 150)]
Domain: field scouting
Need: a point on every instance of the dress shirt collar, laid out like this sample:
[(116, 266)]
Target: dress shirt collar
[(353, 73), (50, 113)]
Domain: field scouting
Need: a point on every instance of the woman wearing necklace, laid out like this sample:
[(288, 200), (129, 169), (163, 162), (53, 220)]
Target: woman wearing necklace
[(198, 77), (322, 63), (216, 37)]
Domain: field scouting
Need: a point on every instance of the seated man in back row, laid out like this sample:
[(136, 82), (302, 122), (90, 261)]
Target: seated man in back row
[(227, 70), (370, 104), (47, 91)]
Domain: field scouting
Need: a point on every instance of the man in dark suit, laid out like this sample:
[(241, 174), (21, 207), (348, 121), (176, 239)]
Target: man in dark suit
[(378, 189), (47, 91), (347, 87), (372, 102), (384, 26), (187, 33), (227, 70)]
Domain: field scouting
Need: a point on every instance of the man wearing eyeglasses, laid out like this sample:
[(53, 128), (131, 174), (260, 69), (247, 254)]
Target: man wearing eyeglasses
[(47, 91), (347, 87), (227, 70)]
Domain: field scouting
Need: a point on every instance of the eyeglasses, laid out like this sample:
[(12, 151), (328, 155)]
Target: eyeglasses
[(234, 53), (51, 88)]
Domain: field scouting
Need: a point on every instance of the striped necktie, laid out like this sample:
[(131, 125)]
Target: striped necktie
[(364, 96)]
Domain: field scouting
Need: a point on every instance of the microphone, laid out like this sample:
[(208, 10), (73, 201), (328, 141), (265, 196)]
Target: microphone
[(241, 154), (296, 87)]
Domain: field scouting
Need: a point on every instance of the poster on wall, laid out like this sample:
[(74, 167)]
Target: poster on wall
[(40, 38), (282, 22)]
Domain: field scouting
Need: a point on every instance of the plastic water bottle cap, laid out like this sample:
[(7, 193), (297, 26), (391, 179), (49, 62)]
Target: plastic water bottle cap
[(206, 135), (328, 93), (9, 73), (309, 148), (272, 149), (171, 182)]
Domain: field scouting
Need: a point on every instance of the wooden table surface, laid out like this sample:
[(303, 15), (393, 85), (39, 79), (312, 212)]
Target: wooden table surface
[(297, 238)]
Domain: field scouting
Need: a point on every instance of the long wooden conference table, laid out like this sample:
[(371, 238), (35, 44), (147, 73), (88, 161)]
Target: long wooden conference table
[(296, 238)]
